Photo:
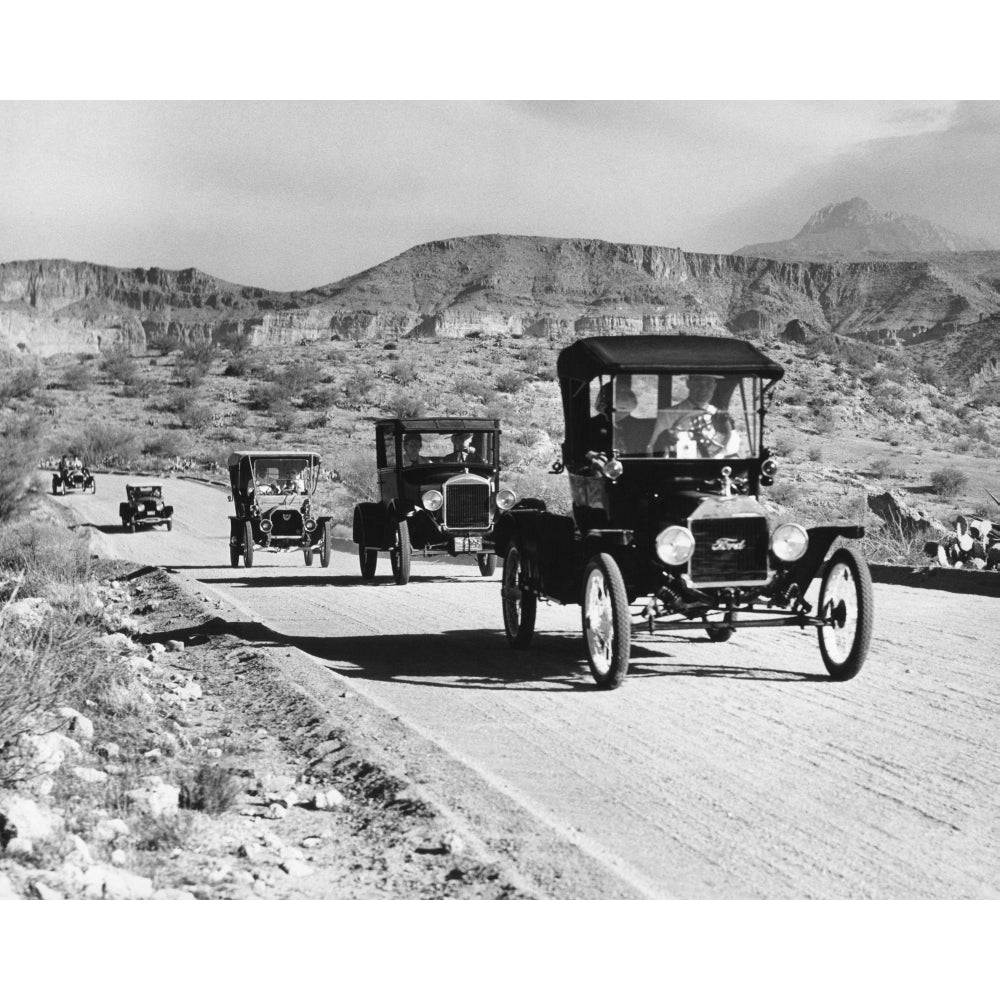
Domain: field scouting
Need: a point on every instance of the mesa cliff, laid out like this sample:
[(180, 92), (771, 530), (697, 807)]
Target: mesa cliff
[(497, 285)]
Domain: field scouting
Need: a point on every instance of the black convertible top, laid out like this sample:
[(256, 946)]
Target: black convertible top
[(663, 353), (441, 424)]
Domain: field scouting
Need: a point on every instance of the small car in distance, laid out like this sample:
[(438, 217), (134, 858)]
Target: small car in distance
[(73, 481), (274, 496), (439, 481), (664, 450), (145, 507)]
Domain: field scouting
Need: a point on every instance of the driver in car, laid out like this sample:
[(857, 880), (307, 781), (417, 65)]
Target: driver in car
[(695, 428)]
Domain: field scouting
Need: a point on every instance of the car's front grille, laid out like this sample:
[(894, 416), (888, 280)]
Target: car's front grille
[(285, 522), (728, 550), (467, 505)]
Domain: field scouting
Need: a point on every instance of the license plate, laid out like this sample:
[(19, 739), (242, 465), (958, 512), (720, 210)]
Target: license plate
[(472, 543)]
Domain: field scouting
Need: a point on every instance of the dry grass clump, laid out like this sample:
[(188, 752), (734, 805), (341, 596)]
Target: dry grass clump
[(211, 789), (20, 445), (35, 555)]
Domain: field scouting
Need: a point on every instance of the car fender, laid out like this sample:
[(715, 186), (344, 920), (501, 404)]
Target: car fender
[(821, 539), (370, 524), (123, 510)]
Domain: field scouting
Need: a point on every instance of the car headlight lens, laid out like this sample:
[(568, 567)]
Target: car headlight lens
[(674, 545), (432, 500), (612, 469), (310, 524), (789, 542), (506, 499), (159, 505), (265, 526)]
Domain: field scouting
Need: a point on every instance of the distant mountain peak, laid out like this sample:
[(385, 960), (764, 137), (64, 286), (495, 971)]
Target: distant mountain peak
[(853, 230)]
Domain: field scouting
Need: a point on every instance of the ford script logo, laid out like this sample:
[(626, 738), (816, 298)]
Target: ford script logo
[(729, 545)]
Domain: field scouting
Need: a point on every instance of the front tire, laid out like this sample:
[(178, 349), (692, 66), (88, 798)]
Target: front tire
[(247, 544), (487, 562), (845, 595), (308, 556), (607, 623), (722, 632), (367, 560), (325, 546), (519, 607), (399, 555), (170, 525)]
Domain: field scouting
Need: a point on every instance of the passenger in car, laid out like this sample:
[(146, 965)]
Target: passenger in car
[(412, 443), (694, 427), (629, 434), (461, 442)]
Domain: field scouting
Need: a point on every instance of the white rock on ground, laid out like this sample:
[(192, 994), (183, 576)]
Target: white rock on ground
[(31, 821), (111, 883), (29, 612), (41, 891), (118, 642), (108, 830), (7, 888), (79, 725), (49, 751), (90, 775), (175, 645), (155, 796), (297, 869), (328, 798)]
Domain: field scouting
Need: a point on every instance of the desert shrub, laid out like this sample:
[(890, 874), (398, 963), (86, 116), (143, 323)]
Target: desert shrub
[(78, 378), (948, 481), (20, 383), (163, 342), (20, 447), (35, 555), (320, 397), (405, 405), (336, 356), (403, 373), (980, 432), (266, 396), (40, 670), (930, 373), (296, 377), (827, 421), (164, 832), (169, 444), (783, 444), (355, 468), (896, 408), (962, 445), (358, 388), (815, 453), (196, 415), (988, 395), (509, 381), (210, 789), (104, 444), (119, 365), (284, 417), (239, 366)]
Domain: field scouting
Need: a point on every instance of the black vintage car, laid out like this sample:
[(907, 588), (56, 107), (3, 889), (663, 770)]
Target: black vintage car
[(439, 481), (665, 456), (73, 481), (274, 495), (145, 507)]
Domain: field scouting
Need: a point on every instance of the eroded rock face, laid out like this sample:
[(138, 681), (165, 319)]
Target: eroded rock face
[(901, 517)]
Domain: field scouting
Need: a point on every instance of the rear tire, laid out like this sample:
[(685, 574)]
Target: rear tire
[(487, 563), (247, 544), (131, 527), (234, 556), (170, 525), (607, 623), (367, 560), (519, 608), (325, 546), (399, 555), (845, 595)]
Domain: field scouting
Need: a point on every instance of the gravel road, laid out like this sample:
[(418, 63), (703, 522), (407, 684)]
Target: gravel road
[(731, 770)]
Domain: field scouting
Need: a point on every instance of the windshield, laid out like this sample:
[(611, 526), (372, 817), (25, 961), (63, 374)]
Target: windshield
[(284, 475), (678, 416), (444, 448)]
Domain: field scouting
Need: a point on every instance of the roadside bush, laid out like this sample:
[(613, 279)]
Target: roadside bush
[(21, 383), (162, 342), (509, 381), (197, 416), (948, 481), (79, 378), (104, 444), (815, 453), (239, 366), (39, 555), (210, 789), (20, 448), (931, 373), (119, 365), (285, 417), (169, 444), (320, 397), (404, 405), (358, 388), (355, 468), (265, 396), (295, 378), (403, 373)]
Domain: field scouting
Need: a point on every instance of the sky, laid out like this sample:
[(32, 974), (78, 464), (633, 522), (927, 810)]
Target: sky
[(289, 194)]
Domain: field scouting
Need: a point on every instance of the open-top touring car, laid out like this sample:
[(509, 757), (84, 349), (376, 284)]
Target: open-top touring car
[(665, 456), (73, 481), (145, 507), (439, 482), (274, 494)]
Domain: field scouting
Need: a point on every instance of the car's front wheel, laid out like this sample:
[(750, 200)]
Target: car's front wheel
[(247, 544), (519, 607), (487, 562), (170, 525), (367, 560), (847, 603), (607, 624), (326, 545), (93, 487), (399, 554), (723, 631), (308, 556)]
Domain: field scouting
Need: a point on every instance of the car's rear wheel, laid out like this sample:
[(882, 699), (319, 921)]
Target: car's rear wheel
[(170, 525), (723, 631), (234, 555), (487, 562), (93, 487), (368, 560), (399, 554), (247, 544), (325, 546), (519, 607), (846, 600), (131, 526), (308, 556), (607, 624)]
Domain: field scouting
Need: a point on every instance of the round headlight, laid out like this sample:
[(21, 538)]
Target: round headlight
[(310, 524), (674, 545), (506, 499), (432, 500), (265, 526), (159, 505), (768, 467), (789, 542), (612, 469)]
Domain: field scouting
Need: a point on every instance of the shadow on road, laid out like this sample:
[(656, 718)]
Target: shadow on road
[(321, 578), (471, 658)]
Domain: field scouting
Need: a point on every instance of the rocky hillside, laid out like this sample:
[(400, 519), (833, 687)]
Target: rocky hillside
[(853, 230), (502, 286)]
